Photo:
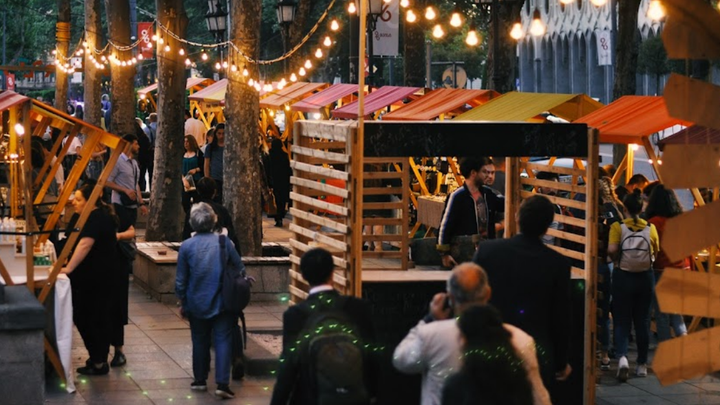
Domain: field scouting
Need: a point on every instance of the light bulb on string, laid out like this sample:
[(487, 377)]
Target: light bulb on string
[(187, 62), (517, 32), (85, 44), (257, 86), (225, 64), (404, 3), (302, 72), (149, 45), (251, 82), (293, 77), (472, 37), (154, 38), (334, 25), (181, 52), (410, 16), (319, 53), (430, 13), (327, 41), (204, 56), (123, 63), (351, 8), (103, 58), (234, 67), (167, 48), (537, 28), (455, 20), (308, 64), (438, 31), (598, 3), (160, 40), (134, 60), (217, 66), (567, 1), (656, 11), (245, 72), (140, 56)]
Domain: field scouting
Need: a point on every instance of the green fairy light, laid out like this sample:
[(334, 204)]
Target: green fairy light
[(62, 385), (145, 393)]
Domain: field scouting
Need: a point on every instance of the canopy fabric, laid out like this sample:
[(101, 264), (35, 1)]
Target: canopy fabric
[(629, 119), (212, 93), (318, 101), (517, 106), (438, 102), (191, 82), (375, 101), (9, 99), (292, 93), (694, 135)]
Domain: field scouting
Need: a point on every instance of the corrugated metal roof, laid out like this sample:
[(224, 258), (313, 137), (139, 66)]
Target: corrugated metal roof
[(375, 101), (517, 106), (439, 102)]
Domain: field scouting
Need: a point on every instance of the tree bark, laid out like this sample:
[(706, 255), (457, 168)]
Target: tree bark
[(241, 160), (503, 80), (92, 75), (414, 53), (63, 47), (626, 57), (123, 94), (166, 193)]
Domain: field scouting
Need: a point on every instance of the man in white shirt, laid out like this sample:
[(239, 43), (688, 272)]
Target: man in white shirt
[(433, 346), (195, 127)]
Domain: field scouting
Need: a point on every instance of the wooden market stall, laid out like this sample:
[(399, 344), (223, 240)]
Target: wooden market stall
[(694, 135), (441, 104), (400, 297), (378, 102), (281, 101), (193, 84), (26, 118), (323, 102)]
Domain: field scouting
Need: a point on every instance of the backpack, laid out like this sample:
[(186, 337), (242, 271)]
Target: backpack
[(635, 249), (335, 357), (235, 288)]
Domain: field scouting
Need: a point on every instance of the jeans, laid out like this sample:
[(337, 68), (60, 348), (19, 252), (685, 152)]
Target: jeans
[(221, 325), (632, 296), (664, 321), (605, 288)]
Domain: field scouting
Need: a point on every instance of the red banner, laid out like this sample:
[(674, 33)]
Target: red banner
[(10, 81), (145, 33)]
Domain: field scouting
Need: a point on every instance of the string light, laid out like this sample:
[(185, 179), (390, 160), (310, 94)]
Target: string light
[(318, 53), (438, 31), (188, 62), (204, 56), (472, 37), (351, 8), (455, 20), (217, 66), (598, 3), (517, 32), (308, 64), (225, 64), (251, 82), (327, 41), (293, 77), (334, 25), (245, 72), (167, 48), (410, 16), (656, 11), (234, 67), (181, 52), (537, 28), (404, 3), (430, 13), (302, 72)]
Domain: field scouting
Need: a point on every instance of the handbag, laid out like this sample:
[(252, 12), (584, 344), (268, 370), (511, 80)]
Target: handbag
[(270, 205), (235, 288)]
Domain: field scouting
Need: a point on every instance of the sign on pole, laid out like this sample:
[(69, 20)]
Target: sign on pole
[(604, 47), (145, 34), (386, 35), (9, 81)]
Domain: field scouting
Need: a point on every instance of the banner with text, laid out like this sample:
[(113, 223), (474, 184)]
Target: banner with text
[(386, 35), (604, 47), (145, 33)]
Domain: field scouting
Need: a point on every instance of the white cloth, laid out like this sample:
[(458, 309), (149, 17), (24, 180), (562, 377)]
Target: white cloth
[(75, 145), (64, 327), (433, 349), (196, 128), (320, 288), (59, 174)]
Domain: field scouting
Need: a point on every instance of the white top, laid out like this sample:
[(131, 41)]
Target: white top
[(75, 146), (196, 128)]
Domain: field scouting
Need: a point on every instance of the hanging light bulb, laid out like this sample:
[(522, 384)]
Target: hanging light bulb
[(257, 86), (225, 64), (85, 44), (187, 62), (283, 82), (160, 40), (567, 1), (308, 64), (149, 45), (181, 52), (154, 38), (302, 72), (517, 32), (204, 56), (140, 56), (334, 25), (287, 107), (103, 58), (319, 53), (430, 13), (455, 20), (537, 28), (251, 82), (134, 60), (598, 3), (351, 8), (410, 16), (472, 37), (234, 68), (245, 72), (327, 41), (123, 63), (438, 31), (656, 11), (217, 66), (404, 3), (167, 48), (293, 77)]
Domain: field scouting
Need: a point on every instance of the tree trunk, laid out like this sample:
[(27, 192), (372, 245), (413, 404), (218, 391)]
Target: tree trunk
[(503, 80), (626, 57), (166, 193), (414, 53), (241, 160), (122, 120), (92, 75), (63, 47)]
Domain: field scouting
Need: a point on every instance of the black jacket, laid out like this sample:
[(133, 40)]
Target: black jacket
[(459, 212), (292, 385), (531, 289)]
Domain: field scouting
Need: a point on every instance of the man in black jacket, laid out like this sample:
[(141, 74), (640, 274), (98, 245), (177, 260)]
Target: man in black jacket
[(295, 384), (531, 286), (474, 210)]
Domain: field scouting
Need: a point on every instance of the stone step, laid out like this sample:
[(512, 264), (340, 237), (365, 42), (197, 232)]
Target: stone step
[(259, 362)]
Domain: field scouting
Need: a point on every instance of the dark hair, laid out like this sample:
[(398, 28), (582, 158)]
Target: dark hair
[(650, 187), (633, 203), (535, 216), (490, 360), (214, 136), (37, 152), (610, 169), (547, 176), (637, 179), (316, 266), (663, 203), (602, 172), (193, 143), (130, 138), (187, 114), (471, 163), (206, 188), (87, 189), (79, 112)]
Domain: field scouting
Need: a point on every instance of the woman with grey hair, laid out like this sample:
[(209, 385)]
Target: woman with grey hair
[(198, 284)]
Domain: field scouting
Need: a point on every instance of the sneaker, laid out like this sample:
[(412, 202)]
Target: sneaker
[(641, 370), (92, 370), (198, 386), (605, 364), (118, 360), (623, 369), (223, 391)]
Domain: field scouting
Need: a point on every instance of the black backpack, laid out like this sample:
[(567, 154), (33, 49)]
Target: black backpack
[(235, 286), (335, 357)]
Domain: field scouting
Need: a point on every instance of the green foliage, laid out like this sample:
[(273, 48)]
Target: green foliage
[(652, 59), (453, 48)]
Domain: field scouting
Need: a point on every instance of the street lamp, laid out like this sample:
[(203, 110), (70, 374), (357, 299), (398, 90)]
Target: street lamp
[(286, 16), (216, 19), (375, 9)]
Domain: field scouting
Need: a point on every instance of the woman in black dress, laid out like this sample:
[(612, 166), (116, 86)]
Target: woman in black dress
[(280, 173), (92, 264)]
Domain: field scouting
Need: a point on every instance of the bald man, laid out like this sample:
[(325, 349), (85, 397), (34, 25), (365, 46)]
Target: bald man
[(432, 348)]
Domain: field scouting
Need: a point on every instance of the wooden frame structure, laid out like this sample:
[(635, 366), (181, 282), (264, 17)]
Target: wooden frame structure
[(324, 150), (282, 100), (192, 85), (35, 118)]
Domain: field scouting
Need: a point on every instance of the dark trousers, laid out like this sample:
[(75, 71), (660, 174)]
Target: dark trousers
[(132, 213), (219, 188), (119, 307), (632, 297), (200, 329), (281, 200), (603, 304), (90, 315)]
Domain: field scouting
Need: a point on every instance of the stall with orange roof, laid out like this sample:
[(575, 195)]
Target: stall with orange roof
[(192, 85)]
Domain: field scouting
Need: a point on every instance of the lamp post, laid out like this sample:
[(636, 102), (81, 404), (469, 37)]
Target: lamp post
[(375, 9), (286, 16), (216, 19)]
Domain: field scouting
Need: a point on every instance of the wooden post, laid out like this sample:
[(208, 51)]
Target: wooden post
[(591, 260), (27, 196), (512, 194)]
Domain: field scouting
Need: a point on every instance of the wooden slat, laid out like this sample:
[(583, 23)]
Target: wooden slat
[(577, 273), (323, 187), (320, 154), (565, 202), (339, 209), (383, 206), (567, 236), (382, 190), (334, 131), (304, 248), (382, 221), (5, 275), (564, 219), (322, 221), (54, 359), (319, 237), (297, 292), (327, 145), (681, 160), (552, 169), (553, 184), (335, 174), (687, 357), (689, 293), (385, 237), (568, 253), (388, 160), (691, 231), (382, 175)]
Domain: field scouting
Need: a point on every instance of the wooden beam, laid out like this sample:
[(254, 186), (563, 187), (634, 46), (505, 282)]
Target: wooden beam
[(687, 357), (699, 160), (322, 187), (332, 173), (692, 231), (319, 204), (322, 221)]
